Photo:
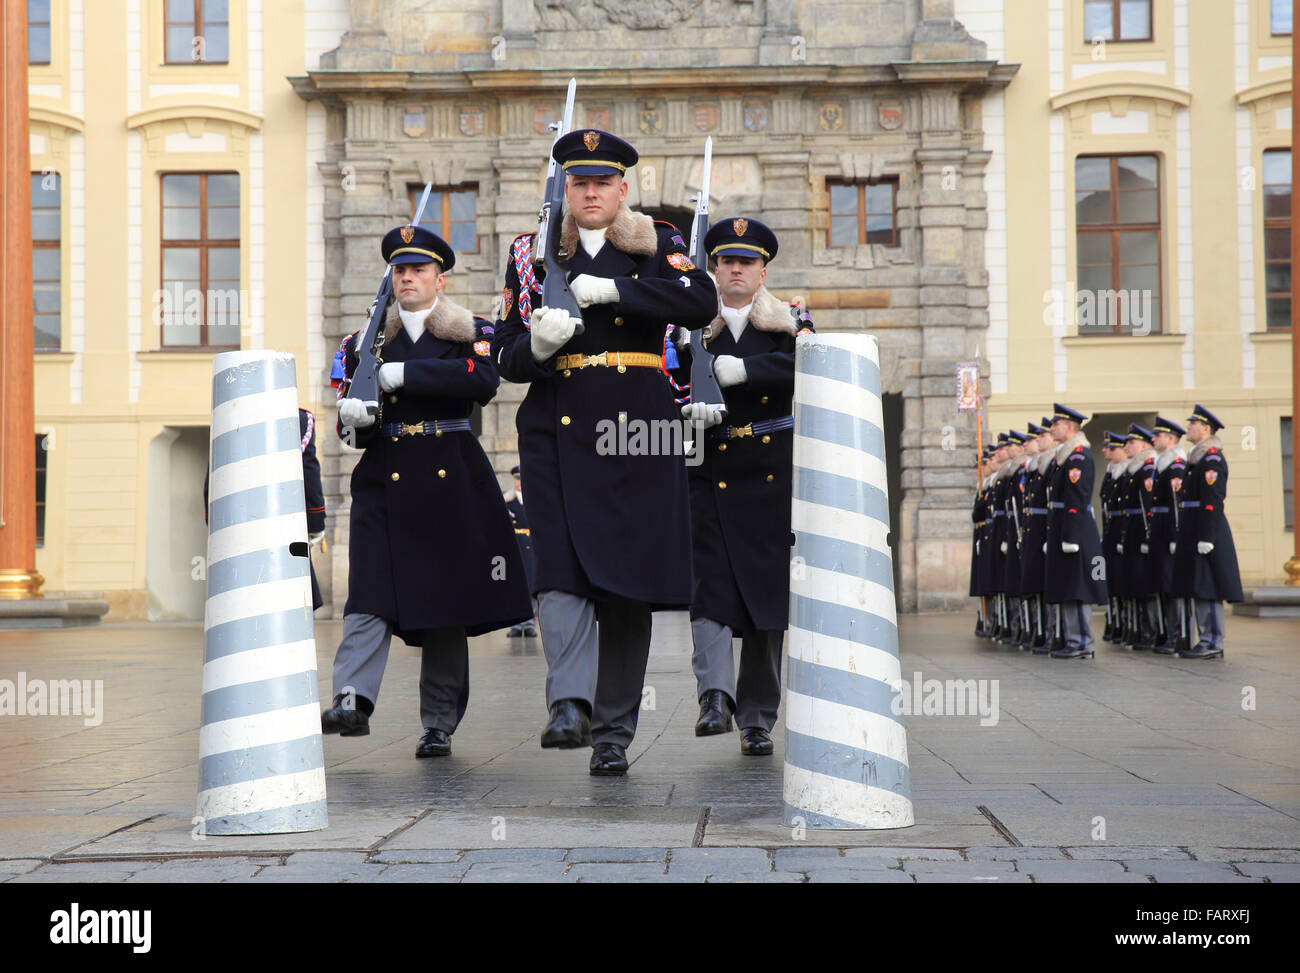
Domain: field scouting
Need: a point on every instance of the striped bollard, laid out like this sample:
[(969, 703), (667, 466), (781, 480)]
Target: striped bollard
[(845, 751), (261, 762)]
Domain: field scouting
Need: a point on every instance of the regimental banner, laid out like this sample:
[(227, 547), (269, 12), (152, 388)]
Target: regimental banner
[(968, 387)]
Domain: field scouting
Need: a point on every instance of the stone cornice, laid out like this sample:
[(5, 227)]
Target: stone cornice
[(335, 83), (171, 113), (52, 116), (1122, 89), (1255, 92)]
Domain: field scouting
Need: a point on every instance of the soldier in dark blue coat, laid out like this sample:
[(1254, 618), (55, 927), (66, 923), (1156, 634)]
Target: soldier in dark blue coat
[(1205, 566), (1135, 545), (1112, 522), (1075, 575), (514, 498), (1171, 467), (1033, 530), (740, 490), (610, 517), (431, 554), (980, 515)]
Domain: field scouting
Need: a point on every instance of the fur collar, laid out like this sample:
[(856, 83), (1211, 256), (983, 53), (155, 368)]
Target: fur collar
[(1008, 468), (1139, 460), (630, 232), (1045, 460), (1203, 447), (767, 313), (448, 321), (1068, 447), (1115, 469), (1028, 461), (1164, 460)]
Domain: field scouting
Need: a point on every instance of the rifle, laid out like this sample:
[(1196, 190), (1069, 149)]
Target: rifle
[(365, 379), (546, 243), (704, 385)]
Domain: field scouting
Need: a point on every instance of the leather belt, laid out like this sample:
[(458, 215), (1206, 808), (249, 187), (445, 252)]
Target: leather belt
[(1160, 510), (754, 428), (1036, 510), (620, 359), (1134, 511), (1060, 505), (999, 513), (431, 427), (1189, 503)]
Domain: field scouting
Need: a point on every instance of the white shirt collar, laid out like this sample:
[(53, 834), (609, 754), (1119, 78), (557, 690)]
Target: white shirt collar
[(413, 321), (592, 240), (736, 318)]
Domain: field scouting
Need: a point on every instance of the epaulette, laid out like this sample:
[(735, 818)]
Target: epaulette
[(1212, 449), (667, 225), (1078, 449)]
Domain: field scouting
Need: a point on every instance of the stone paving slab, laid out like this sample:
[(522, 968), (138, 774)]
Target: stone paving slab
[(550, 827)]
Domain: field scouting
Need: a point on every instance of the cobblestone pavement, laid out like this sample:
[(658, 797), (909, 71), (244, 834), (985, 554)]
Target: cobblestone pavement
[(1129, 768)]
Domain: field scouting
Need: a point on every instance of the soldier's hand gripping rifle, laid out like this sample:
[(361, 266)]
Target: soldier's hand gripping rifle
[(704, 385), (550, 219), (365, 379)]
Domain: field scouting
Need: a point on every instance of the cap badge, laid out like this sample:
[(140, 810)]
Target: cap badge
[(408, 233), (591, 140), (740, 226)]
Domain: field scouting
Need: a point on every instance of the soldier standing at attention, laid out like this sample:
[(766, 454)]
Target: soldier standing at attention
[(1112, 449), (514, 498), (1171, 466), (1205, 569), (1073, 580), (431, 556), (1138, 499), (610, 532), (1033, 530), (740, 491)]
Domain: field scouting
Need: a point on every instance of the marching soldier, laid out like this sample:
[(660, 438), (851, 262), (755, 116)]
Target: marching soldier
[(610, 533), (514, 498), (1138, 500), (1205, 566), (1171, 466), (1073, 547), (740, 491), (431, 555)]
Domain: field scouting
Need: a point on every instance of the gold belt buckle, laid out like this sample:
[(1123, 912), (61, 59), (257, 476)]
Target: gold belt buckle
[(413, 430), (593, 360), (739, 432)]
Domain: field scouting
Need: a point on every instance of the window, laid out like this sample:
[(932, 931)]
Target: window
[(1116, 20), (198, 31), (1279, 18), (450, 213), (864, 212), (1277, 239), (38, 31), (41, 446), (1288, 472), (47, 261), (1117, 216), (200, 297)]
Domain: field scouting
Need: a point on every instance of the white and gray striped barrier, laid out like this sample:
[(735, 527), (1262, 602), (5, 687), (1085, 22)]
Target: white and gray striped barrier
[(261, 763), (845, 750)]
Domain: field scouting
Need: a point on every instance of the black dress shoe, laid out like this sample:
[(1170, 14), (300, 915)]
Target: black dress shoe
[(1072, 653), (530, 630), (715, 714), (570, 727), (1201, 652), (1167, 648), (755, 741), (979, 626), (353, 721), (434, 743), (608, 760), (516, 632)]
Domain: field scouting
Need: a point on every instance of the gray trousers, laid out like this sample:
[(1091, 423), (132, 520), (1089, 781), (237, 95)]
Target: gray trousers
[(1209, 622), (596, 651), (1076, 624), (1174, 608), (757, 692), (444, 668), (1149, 618)]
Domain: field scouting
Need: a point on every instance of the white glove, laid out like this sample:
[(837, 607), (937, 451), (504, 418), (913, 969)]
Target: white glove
[(1204, 547), (1143, 548), (1173, 547), (708, 413), (588, 290), (392, 375), (354, 413), (1119, 548), (729, 370), (681, 337), (1004, 547), (1044, 547), (1068, 548), (315, 539), (977, 548), (551, 328)]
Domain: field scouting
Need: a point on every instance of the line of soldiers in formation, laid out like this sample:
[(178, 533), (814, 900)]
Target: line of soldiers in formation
[(432, 554), (1162, 564)]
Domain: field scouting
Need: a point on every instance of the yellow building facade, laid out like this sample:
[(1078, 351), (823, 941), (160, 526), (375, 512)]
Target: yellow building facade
[(1201, 100)]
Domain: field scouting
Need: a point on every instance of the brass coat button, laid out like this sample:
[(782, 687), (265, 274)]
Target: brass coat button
[(622, 368), (618, 320), (770, 478), (564, 420), (567, 372), (442, 475), (396, 477), (767, 439), (392, 398), (437, 432), (763, 400), (394, 439), (722, 484), (722, 447)]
